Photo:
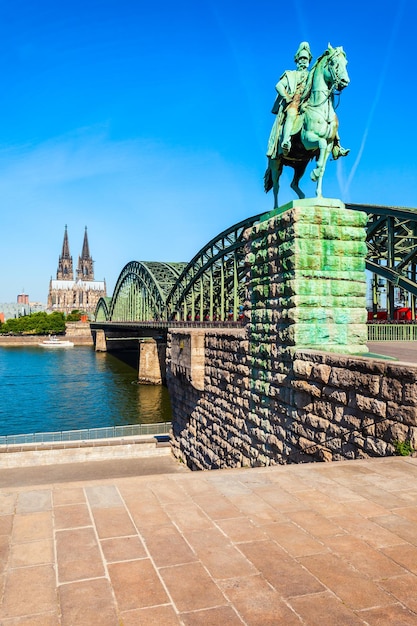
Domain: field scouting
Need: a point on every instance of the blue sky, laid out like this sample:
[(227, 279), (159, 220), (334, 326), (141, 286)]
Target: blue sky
[(148, 122)]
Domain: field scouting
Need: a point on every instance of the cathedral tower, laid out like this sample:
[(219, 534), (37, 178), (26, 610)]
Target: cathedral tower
[(83, 293), (65, 271), (85, 270)]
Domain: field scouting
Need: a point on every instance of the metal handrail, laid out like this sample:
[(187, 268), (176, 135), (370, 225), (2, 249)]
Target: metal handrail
[(392, 332), (86, 434)]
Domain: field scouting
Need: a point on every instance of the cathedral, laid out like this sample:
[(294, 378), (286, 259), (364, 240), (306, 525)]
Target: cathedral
[(66, 293)]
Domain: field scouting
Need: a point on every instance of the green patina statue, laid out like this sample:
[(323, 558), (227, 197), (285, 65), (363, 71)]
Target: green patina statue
[(306, 125), (290, 88)]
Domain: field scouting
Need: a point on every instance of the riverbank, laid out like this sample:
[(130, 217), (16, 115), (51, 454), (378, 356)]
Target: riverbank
[(77, 332)]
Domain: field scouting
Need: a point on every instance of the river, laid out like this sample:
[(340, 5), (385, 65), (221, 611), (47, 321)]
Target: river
[(53, 390)]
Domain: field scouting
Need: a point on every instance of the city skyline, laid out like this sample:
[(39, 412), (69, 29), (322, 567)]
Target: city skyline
[(150, 123)]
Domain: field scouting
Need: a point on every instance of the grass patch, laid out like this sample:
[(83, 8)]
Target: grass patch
[(403, 448)]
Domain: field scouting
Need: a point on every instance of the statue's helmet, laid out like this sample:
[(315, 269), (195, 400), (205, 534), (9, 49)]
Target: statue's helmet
[(303, 51)]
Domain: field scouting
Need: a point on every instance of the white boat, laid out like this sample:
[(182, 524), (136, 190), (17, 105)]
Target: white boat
[(54, 342)]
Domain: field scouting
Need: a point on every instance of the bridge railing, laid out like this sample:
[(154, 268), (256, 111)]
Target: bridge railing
[(170, 324), (86, 434), (392, 332)]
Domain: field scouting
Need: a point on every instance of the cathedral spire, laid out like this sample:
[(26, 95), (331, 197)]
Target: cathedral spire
[(65, 245), (65, 270), (85, 254), (85, 270)]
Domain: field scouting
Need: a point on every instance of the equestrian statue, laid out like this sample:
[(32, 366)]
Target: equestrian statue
[(306, 125)]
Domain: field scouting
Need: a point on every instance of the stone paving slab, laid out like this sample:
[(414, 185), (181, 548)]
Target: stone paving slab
[(314, 544)]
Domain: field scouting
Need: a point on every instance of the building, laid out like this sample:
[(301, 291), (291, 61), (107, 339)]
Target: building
[(23, 298), (66, 293), (10, 310)]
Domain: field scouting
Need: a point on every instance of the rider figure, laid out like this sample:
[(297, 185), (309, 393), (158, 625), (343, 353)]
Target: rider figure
[(290, 88)]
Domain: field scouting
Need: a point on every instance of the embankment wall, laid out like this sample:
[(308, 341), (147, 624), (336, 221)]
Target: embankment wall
[(315, 407)]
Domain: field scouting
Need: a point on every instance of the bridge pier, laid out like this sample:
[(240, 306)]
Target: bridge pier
[(187, 355), (151, 355), (100, 344)]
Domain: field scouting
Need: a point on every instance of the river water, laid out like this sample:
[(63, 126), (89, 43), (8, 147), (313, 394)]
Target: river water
[(52, 390)]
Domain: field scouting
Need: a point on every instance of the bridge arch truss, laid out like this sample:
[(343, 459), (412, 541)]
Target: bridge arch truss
[(211, 287), (392, 251), (102, 313), (141, 291)]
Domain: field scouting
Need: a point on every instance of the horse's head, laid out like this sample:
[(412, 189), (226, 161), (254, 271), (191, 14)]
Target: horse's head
[(336, 62)]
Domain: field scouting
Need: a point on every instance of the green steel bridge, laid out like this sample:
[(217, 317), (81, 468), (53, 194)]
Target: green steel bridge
[(392, 251), (211, 286)]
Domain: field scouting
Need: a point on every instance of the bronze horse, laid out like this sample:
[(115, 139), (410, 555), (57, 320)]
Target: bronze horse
[(318, 125)]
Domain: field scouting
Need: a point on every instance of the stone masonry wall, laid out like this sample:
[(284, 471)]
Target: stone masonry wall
[(209, 416), (350, 407), (324, 407)]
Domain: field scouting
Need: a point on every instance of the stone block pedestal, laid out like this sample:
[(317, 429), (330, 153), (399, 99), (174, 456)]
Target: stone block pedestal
[(307, 285)]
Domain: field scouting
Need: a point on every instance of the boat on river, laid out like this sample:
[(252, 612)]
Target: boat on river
[(54, 342)]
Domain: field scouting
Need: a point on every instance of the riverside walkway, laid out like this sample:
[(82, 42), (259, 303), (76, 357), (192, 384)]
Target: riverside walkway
[(114, 543)]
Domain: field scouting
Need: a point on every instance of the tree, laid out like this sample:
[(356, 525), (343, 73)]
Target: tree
[(35, 324)]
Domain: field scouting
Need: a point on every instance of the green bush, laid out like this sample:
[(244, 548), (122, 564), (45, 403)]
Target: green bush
[(74, 316)]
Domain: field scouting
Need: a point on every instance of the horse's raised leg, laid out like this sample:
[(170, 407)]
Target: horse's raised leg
[(322, 146), (298, 173)]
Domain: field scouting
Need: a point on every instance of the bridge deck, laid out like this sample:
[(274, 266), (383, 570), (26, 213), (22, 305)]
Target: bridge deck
[(163, 325)]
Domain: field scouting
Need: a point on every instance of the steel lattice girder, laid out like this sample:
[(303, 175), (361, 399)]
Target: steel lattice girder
[(141, 290), (392, 244), (102, 313), (212, 282)]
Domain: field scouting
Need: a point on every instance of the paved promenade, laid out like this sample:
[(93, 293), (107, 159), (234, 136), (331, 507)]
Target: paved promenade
[(318, 544), (401, 350)]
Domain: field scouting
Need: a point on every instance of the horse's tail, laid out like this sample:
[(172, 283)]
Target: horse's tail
[(268, 184)]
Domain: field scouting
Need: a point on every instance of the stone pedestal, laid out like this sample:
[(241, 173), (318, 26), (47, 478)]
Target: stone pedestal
[(307, 285)]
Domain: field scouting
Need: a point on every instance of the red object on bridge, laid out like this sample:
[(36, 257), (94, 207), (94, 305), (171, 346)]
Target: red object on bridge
[(402, 314)]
